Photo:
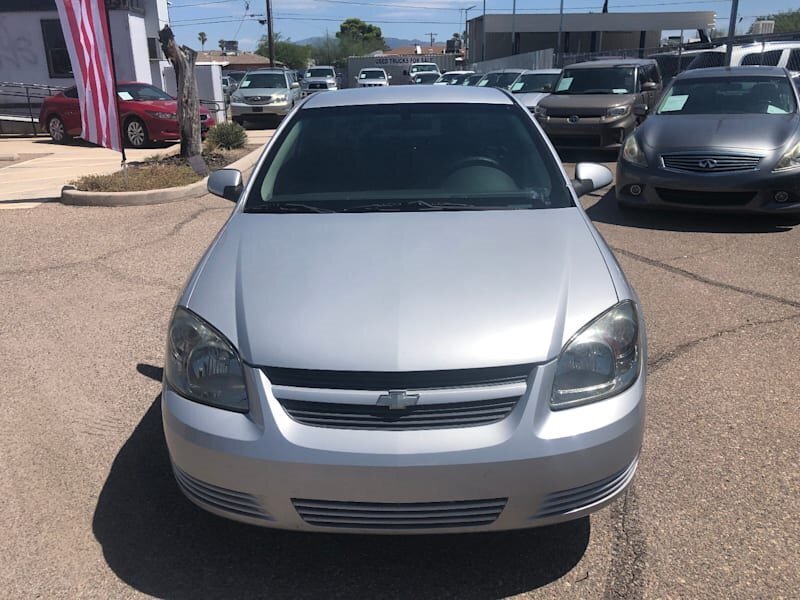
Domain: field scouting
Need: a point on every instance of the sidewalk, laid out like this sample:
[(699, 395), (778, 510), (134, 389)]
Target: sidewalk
[(48, 166)]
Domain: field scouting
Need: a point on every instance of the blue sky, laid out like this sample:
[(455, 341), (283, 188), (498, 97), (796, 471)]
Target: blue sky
[(300, 19)]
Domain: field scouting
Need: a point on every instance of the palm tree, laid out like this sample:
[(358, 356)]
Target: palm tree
[(222, 44), (203, 39)]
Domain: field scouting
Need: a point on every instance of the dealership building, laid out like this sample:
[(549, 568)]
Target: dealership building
[(582, 33)]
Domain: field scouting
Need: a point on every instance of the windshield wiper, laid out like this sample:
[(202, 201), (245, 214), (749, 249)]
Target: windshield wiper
[(422, 205), (288, 207)]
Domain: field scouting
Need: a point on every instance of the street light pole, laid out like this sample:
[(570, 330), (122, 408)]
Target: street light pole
[(483, 32), (466, 29), (731, 31), (560, 33), (513, 27)]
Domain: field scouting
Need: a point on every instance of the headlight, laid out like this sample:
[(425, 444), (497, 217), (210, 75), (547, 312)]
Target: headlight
[(632, 153), (331, 85), (790, 160), (601, 360), (618, 111), (279, 98), (540, 111), (237, 98), (201, 364), (162, 115)]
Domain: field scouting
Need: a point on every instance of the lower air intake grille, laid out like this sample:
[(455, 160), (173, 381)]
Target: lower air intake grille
[(414, 515), (217, 497), (566, 501), (705, 198), (426, 416)]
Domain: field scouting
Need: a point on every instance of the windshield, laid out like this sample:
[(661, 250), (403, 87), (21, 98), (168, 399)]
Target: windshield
[(321, 73), (423, 68), (263, 81), (729, 96), (613, 80), (501, 80), (449, 78), (534, 83), (426, 77), (409, 157), (472, 80), (128, 91), (372, 75)]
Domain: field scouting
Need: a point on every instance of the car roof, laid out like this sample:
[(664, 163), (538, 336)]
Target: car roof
[(505, 71), (372, 69), (542, 72), (616, 62), (408, 94), (749, 71), (267, 70)]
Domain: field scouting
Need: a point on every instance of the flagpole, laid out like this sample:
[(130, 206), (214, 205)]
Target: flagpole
[(114, 77)]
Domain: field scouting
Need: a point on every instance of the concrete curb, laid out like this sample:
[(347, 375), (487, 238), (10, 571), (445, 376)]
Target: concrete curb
[(9, 157), (71, 196)]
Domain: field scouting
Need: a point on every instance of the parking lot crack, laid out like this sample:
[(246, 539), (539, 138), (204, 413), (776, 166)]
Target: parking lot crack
[(626, 576), (670, 355), (706, 280)]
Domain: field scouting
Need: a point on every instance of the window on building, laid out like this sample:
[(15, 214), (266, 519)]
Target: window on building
[(154, 49), (55, 48)]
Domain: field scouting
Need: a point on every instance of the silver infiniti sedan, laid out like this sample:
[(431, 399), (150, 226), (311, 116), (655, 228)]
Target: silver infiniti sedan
[(363, 351), (723, 139)]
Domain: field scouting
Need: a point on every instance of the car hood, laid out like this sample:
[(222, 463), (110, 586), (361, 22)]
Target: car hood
[(531, 98), (725, 132), (587, 101), (402, 291)]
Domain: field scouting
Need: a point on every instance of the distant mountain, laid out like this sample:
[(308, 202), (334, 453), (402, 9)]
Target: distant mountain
[(391, 41)]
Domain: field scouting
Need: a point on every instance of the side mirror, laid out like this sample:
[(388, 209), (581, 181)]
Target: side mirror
[(405, 72), (547, 87), (295, 85), (590, 177), (649, 86), (388, 76), (641, 110), (226, 183)]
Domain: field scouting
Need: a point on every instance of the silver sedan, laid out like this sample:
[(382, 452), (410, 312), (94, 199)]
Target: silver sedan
[(364, 351)]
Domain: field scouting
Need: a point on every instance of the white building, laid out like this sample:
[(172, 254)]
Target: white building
[(32, 48)]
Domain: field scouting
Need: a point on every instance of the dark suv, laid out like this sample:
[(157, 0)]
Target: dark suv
[(596, 104)]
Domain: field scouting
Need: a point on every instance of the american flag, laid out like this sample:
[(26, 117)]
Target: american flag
[(85, 26)]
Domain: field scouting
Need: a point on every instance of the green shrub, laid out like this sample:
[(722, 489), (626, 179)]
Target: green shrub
[(226, 136)]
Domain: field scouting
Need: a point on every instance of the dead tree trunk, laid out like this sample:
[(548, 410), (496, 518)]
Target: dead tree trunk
[(183, 59)]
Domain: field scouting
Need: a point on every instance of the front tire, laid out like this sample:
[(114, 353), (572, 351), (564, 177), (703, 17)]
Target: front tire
[(135, 133), (57, 130)]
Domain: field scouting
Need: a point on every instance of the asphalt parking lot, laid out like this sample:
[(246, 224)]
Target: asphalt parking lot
[(89, 507)]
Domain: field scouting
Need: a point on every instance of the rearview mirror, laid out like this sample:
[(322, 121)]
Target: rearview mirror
[(226, 183), (590, 177)]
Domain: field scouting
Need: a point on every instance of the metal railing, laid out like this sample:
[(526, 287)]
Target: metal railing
[(22, 101)]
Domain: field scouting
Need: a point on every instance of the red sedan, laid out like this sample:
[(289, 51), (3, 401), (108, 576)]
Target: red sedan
[(148, 115)]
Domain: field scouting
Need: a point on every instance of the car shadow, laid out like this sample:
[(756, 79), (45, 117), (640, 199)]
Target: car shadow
[(159, 543), (606, 210), (576, 155)]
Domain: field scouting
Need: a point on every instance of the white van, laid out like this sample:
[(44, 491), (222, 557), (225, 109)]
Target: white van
[(768, 54)]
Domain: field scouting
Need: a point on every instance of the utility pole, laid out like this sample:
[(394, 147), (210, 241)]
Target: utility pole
[(559, 56), (465, 41), (731, 32), (270, 37), (433, 37)]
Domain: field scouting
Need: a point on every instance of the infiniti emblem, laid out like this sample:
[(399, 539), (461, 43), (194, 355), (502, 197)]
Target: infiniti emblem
[(398, 400), (573, 118), (707, 163)]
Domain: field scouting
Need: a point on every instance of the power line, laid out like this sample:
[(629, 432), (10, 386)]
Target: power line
[(207, 2)]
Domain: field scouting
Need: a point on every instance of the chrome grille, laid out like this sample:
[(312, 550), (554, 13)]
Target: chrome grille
[(258, 99), (710, 163), (218, 497), (567, 501), (426, 416), (407, 515)]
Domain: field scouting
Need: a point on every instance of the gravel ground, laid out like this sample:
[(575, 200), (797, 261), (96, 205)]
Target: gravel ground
[(88, 504)]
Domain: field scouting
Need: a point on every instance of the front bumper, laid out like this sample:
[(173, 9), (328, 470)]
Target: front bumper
[(254, 111), (742, 192), (588, 132), (535, 467)]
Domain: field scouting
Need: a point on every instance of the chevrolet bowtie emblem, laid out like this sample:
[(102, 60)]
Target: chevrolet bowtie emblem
[(398, 400)]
